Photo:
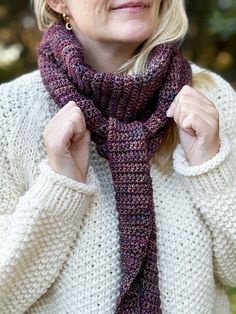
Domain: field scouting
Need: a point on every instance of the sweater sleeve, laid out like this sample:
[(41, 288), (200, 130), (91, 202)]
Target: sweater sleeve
[(37, 228), (212, 186)]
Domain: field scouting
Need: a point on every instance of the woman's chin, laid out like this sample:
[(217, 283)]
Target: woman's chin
[(133, 35)]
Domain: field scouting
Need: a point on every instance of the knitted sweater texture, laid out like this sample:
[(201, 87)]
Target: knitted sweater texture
[(59, 239)]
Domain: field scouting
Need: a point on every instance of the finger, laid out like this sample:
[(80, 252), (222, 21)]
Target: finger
[(85, 138), (71, 109), (193, 93), (68, 131), (76, 114), (78, 134), (64, 112), (191, 108), (64, 131), (68, 106), (59, 115), (189, 94), (187, 106), (78, 120), (170, 111), (189, 131), (73, 113), (203, 128)]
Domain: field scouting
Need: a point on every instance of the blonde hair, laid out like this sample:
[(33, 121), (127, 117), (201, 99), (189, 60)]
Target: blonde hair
[(172, 25), (44, 14)]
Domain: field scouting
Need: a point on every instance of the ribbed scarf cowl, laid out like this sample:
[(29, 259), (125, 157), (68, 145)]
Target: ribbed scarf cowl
[(126, 115)]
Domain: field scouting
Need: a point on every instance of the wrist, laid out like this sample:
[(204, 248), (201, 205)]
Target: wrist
[(68, 169), (203, 153)]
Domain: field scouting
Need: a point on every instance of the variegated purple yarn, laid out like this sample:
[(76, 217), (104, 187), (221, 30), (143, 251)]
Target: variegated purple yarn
[(127, 118)]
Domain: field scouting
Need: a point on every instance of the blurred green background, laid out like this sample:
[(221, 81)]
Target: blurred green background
[(211, 43)]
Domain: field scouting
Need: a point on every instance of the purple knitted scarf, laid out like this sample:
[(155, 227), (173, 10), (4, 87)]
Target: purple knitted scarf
[(126, 115)]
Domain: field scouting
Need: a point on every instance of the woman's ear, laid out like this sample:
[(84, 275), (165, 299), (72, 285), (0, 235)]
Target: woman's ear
[(58, 6)]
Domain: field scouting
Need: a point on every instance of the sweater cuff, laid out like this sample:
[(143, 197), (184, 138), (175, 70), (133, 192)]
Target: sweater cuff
[(61, 195), (213, 176)]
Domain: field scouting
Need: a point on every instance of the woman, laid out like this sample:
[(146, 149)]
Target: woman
[(130, 232)]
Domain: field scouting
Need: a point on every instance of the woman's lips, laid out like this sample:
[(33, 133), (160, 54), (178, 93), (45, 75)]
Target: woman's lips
[(131, 7)]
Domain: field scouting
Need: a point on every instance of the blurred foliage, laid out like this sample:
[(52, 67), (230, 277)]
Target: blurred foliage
[(211, 42), (224, 22), (18, 39), (232, 297)]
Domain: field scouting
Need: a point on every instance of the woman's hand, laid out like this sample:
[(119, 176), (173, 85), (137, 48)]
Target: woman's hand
[(68, 142), (198, 122)]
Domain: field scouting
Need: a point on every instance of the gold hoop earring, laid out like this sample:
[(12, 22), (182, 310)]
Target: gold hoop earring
[(67, 21)]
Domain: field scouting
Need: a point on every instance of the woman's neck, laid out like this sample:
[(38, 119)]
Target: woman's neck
[(106, 57)]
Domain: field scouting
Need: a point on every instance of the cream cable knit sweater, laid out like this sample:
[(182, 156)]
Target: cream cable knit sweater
[(59, 240)]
